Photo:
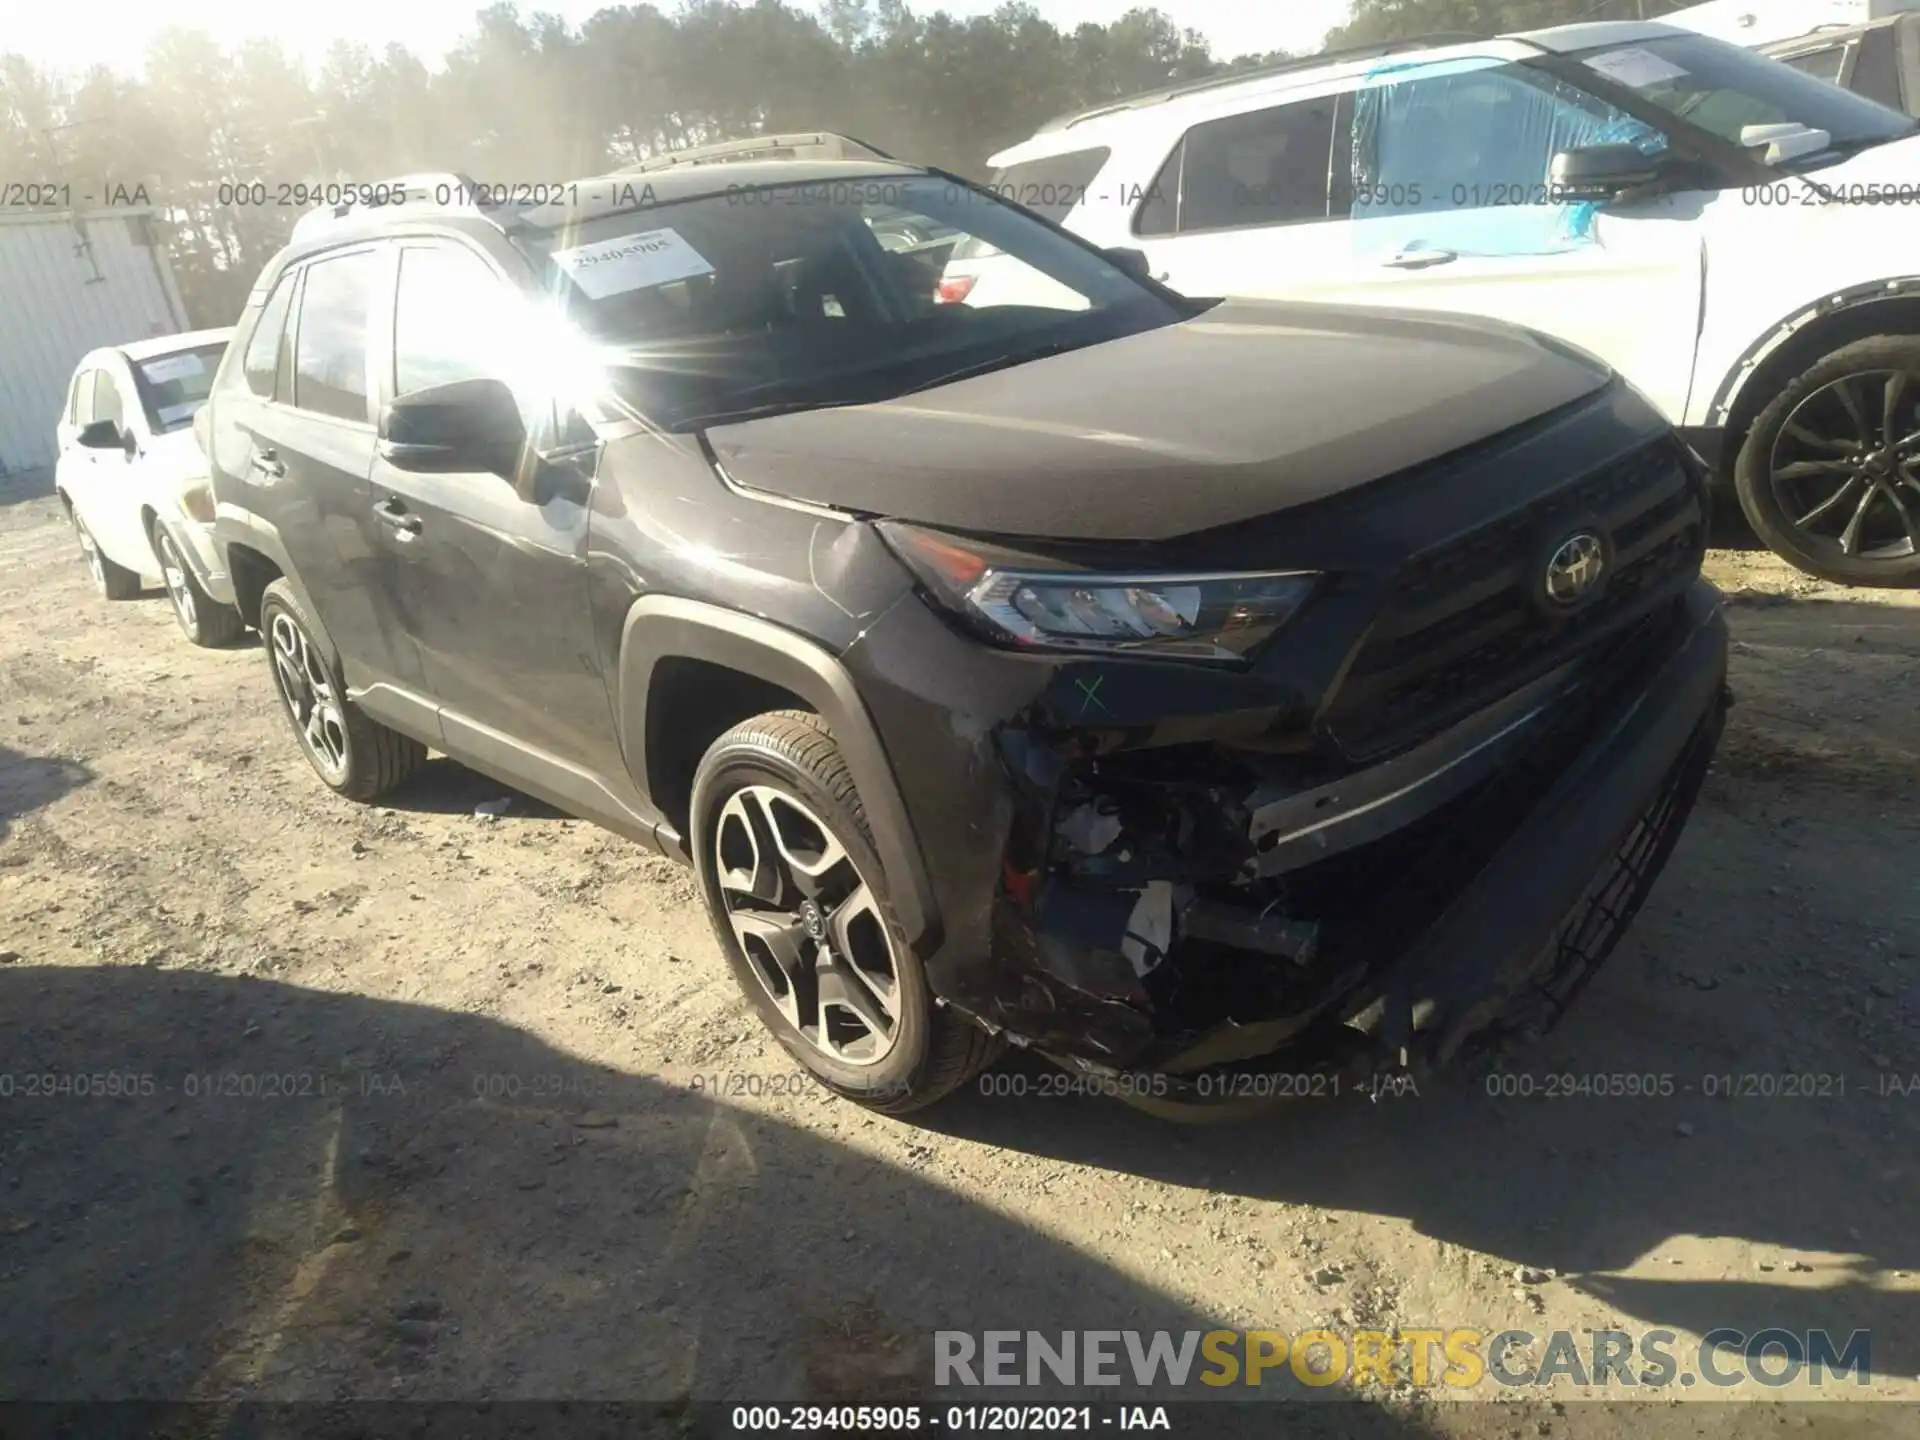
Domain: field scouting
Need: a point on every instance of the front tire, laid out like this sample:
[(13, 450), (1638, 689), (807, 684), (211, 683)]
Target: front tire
[(110, 581), (355, 755), (203, 620), (1829, 476), (800, 907)]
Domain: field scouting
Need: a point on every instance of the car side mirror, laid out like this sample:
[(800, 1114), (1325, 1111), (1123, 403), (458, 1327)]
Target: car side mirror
[(1600, 173), (464, 425), (104, 435), (1131, 260)]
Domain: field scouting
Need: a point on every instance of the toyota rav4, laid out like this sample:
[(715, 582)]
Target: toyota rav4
[(1185, 690)]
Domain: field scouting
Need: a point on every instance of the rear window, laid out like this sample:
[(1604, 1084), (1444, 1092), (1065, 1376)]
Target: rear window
[(1049, 187), (172, 387)]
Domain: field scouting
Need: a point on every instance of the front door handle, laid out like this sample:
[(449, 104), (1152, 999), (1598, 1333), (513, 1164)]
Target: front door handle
[(1422, 259), (267, 462), (396, 517)]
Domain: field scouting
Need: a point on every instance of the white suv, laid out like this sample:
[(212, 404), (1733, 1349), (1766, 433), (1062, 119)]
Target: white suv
[(1740, 240), (133, 477)]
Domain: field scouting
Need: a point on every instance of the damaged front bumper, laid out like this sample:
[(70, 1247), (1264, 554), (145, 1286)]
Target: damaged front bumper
[(1200, 915)]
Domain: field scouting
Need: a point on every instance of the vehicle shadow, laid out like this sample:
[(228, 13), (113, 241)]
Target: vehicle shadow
[(1728, 529), (446, 787), (273, 1193), (28, 782)]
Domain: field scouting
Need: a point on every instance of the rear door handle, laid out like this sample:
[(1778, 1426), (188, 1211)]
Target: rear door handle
[(1421, 259), (396, 517), (267, 462)]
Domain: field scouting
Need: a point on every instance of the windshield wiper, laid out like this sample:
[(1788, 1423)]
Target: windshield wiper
[(988, 366)]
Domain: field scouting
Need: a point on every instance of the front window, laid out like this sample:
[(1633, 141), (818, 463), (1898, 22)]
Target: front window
[(174, 386), (1727, 91), (786, 297)]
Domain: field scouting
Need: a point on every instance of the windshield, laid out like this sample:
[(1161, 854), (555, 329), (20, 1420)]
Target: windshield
[(173, 387), (1724, 89), (799, 296)]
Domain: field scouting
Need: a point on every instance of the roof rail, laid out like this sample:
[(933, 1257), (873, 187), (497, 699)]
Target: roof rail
[(1235, 77), (425, 190), (800, 145)]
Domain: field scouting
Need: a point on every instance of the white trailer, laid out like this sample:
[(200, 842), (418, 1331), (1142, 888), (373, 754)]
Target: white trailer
[(70, 282)]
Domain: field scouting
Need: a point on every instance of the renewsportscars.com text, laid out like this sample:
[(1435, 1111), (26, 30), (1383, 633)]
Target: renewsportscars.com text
[(1458, 1359)]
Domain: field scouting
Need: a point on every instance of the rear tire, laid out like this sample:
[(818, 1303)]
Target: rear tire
[(355, 755), (203, 620), (110, 581), (1824, 470), (787, 867)]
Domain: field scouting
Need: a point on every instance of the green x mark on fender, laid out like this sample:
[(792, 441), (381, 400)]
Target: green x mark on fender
[(1090, 694)]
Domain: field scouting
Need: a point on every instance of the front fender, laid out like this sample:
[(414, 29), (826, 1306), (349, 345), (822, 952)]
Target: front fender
[(660, 627), (234, 526)]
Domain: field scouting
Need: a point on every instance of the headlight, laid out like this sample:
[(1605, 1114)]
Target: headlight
[(196, 500), (1220, 617)]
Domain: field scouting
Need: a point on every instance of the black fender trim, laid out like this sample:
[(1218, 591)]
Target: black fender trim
[(659, 627), (1734, 382), (235, 526)]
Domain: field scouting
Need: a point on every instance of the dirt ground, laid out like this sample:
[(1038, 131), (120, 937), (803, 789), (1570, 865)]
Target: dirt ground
[(463, 1139)]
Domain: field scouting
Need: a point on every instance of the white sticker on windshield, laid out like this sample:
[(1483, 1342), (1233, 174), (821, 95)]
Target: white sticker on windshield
[(633, 262), (173, 367), (1636, 69)]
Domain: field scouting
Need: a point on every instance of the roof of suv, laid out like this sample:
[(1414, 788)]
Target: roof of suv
[(606, 194), (1829, 34), (1104, 124), (585, 199)]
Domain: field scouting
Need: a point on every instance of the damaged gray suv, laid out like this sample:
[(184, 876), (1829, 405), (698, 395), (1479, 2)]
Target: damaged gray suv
[(1188, 690)]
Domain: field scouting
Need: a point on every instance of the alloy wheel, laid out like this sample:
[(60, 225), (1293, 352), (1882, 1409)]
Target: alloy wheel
[(309, 695), (809, 925), (90, 554), (175, 574), (1846, 466)]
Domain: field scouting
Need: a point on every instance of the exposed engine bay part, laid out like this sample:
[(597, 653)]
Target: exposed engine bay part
[(1144, 926), (1214, 815), (1245, 929)]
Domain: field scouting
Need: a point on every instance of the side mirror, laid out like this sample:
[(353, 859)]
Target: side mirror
[(103, 435), (465, 425), (1131, 260), (1599, 173)]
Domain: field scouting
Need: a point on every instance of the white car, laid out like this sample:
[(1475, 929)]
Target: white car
[(1739, 240), (133, 478)]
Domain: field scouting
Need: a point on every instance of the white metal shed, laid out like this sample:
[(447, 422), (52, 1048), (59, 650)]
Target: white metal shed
[(69, 282)]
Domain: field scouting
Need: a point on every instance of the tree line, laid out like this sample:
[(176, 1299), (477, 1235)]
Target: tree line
[(216, 134)]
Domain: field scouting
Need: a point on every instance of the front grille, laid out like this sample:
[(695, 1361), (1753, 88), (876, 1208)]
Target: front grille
[(1461, 628)]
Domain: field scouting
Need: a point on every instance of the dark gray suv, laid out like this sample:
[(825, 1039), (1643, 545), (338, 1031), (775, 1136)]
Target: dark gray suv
[(1194, 691)]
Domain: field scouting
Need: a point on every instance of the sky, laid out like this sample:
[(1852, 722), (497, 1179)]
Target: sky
[(115, 32)]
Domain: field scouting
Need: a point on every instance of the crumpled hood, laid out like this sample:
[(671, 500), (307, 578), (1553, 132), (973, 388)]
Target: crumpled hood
[(1251, 408)]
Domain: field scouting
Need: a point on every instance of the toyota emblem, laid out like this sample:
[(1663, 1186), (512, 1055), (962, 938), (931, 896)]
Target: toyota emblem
[(1576, 568)]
